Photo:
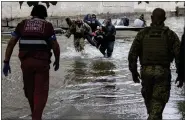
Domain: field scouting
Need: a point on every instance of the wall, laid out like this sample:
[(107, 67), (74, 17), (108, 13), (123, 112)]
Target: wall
[(76, 8)]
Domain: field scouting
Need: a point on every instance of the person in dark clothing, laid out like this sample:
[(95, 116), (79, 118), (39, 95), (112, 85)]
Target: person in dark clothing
[(143, 19), (156, 47), (87, 35), (94, 23), (182, 60), (108, 43), (87, 19), (125, 21), (36, 38), (99, 36), (69, 21)]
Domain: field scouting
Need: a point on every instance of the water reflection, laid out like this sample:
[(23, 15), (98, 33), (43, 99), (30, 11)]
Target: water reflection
[(77, 72), (102, 68), (181, 105)]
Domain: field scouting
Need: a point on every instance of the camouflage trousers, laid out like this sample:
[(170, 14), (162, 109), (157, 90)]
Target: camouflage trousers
[(156, 85), (79, 44)]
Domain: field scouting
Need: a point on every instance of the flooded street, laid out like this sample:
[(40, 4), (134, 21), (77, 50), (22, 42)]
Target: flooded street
[(88, 86)]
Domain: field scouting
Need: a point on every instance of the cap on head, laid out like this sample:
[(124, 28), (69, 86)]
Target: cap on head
[(39, 11), (142, 16), (93, 16), (158, 15), (78, 20)]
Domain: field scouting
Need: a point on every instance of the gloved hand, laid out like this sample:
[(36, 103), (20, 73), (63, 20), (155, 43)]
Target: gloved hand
[(136, 77), (56, 65), (180, 82), (6, 68)]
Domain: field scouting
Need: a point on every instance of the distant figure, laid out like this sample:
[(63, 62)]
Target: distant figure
[(94, 23), (140, 22), (99, 37), (69, 21), (108, 43), (87, 19), (79, 29), (87, 35), (177, 11), (124, 21), (156, 47), (143, 19)]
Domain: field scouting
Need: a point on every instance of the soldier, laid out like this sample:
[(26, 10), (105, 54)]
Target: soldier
[(36, 38), (156, 46), (79, 29), (182, 59)]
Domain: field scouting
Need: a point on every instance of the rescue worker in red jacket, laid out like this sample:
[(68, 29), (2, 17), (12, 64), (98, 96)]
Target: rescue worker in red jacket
[(36, 38)]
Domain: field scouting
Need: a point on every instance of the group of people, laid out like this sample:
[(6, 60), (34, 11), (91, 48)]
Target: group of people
[(139, 22), (155, 46), (102, 37)]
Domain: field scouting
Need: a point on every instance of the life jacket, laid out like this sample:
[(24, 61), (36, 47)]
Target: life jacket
[(34, 41), (156, 47)]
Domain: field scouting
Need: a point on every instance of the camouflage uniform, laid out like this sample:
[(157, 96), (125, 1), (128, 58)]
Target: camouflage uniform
[(78, 35), (156, 47)]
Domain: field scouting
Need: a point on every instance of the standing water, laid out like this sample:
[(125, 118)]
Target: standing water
[(90, 86)]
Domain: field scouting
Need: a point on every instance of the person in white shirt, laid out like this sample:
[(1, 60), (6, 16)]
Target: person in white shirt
[(140, 22)]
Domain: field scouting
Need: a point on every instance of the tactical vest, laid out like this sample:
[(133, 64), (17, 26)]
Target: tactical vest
[(156, 47), (79, 31), (34, 44)]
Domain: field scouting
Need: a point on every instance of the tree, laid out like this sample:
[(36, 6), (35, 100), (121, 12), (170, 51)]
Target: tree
[(144, 1), (33, 3)]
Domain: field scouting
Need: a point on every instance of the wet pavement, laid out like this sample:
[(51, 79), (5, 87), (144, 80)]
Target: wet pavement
[(88, 86)]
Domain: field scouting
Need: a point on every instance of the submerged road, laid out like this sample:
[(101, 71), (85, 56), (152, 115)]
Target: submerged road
[(88, 86)]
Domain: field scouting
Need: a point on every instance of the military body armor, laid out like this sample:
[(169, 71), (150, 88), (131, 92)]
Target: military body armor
[(156, 47)]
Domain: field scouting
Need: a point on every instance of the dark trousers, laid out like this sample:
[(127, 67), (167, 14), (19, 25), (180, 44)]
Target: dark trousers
[(36, 84), (89, 39), (109, 46)]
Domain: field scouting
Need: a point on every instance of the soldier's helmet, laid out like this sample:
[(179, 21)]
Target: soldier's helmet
[(39, 11)]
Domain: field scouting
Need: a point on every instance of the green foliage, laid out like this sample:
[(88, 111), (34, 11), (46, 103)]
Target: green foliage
[(33, 3), (144, 1)]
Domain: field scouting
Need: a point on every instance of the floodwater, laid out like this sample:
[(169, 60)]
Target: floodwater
[(89, 86)]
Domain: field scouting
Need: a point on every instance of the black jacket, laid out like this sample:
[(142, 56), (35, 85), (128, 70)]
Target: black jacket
[(110, 32), (182, 57)]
